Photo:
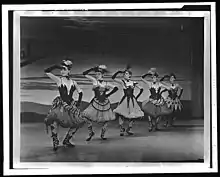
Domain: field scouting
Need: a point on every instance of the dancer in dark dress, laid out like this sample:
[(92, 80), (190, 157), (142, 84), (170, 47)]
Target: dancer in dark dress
[(99, 109), (155, 106), (64, 103), (173, 98), (128, 107)]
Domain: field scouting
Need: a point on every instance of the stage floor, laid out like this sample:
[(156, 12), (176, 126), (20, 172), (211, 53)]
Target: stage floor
[(183, 142)]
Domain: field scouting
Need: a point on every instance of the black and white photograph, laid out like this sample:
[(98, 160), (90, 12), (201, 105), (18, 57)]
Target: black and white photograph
[(112, 87)]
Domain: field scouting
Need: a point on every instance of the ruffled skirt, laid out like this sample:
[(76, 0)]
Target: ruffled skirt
[(156, 108), (174, 104), (129, 110), (65, 115), (99, 112)]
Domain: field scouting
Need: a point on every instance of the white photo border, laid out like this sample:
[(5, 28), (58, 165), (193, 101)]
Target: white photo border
[(107, 168)]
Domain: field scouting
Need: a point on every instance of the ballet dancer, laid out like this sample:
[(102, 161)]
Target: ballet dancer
[(128, 107), (173, 98), (99, 109), (64, 102), (154, 106)]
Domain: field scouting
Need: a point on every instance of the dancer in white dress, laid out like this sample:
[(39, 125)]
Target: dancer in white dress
[(128, 107)]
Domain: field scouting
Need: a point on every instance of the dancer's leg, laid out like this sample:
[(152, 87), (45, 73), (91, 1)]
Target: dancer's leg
[(173, 118), (166, 119), (69, 135), (157, 122), (104, 128), (90, 130), (121, 123), (128, 130), (54, 135), (150, 123)]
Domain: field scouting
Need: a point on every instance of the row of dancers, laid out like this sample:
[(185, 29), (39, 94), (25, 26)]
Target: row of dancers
[(99, 109)]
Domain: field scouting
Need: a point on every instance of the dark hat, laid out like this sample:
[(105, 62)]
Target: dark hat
[(172, 74)]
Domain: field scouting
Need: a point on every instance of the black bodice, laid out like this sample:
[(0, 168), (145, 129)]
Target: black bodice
[(65, 96), (129, 92), (155, 94), (129, 89), (100, 93), (172, 93)]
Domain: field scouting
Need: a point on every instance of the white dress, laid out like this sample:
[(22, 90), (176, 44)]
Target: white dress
[(128, 106)]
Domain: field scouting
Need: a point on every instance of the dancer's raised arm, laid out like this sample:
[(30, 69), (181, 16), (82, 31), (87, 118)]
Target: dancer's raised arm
[(164, 77), (86, 74), (144, 80), (117, 80), (164, 84), (48, 72)]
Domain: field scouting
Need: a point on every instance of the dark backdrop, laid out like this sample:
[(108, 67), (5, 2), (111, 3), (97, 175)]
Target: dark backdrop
[(169, 44)]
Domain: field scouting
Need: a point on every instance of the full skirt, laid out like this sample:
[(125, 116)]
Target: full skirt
[(156, 108), (129, 110), (174, 104), (99, 112), (65, 115)]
